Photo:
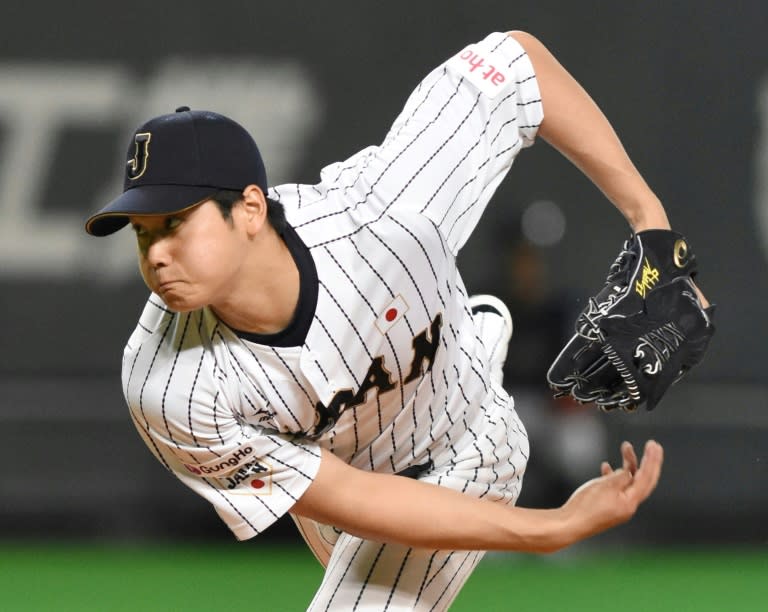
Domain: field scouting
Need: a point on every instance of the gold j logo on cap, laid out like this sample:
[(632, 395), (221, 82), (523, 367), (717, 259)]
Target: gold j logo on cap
[(138, 165)]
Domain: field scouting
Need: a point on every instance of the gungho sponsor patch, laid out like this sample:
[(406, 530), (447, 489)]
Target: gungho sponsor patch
[(221, 466)]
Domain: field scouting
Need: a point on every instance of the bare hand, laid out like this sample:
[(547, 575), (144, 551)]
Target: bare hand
[(614, 497)]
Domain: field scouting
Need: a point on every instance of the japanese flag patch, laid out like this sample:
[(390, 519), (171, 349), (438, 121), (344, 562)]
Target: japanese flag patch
[(391, 314)]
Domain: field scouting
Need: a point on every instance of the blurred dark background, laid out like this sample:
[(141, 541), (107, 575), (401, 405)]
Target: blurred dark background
[(685, 84)]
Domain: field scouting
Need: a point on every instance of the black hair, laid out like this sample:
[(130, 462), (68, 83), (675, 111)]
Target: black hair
[(227, 198)]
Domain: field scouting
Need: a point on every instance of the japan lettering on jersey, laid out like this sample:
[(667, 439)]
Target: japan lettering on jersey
[(391, 373)]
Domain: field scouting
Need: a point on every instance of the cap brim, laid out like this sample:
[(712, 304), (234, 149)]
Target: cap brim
[(146, 200)]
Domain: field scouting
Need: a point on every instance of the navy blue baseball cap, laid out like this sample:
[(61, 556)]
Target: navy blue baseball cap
[(178, 160)]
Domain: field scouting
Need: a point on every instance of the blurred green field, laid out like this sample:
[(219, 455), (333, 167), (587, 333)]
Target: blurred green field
[(243, 577)]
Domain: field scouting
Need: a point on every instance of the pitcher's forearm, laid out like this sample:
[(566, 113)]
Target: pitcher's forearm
[(577, 128), (391, 508)]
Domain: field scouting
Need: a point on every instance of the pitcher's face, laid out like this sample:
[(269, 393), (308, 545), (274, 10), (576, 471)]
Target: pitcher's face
[(190, 258)]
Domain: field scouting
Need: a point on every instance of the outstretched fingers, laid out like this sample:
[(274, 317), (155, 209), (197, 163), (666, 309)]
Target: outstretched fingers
[(628, 457)]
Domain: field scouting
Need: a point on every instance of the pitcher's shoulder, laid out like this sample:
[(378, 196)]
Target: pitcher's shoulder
[(154, 316)]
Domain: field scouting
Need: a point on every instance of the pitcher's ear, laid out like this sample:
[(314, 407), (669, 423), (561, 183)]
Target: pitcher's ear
[(255, 206)]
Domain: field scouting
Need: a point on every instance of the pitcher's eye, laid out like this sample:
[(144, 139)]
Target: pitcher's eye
[(139, 230), (171, 223)]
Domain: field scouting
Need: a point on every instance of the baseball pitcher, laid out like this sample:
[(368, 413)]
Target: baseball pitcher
[(312, 350)]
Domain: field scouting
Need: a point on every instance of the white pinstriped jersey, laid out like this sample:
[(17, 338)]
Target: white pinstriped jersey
[(391, 372)]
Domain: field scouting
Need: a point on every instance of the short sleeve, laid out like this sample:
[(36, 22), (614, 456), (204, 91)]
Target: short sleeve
[(184, 404), (256, 482), (453, 143)]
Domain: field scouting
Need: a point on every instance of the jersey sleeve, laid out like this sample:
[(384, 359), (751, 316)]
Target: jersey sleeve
[(454, 140), (186, 408), (252, 480)]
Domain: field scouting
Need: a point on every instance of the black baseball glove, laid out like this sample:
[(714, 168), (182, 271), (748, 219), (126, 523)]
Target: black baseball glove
[(642, 332)]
